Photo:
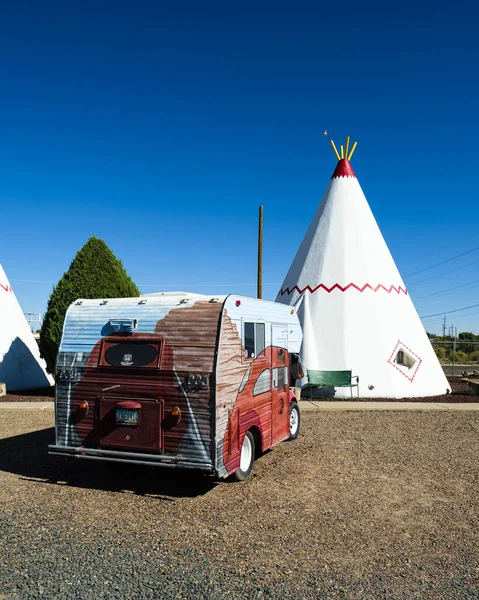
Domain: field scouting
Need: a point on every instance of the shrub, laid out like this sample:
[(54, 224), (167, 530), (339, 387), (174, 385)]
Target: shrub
[(474, 356), (441, 352), (461, 357), (95, 272)]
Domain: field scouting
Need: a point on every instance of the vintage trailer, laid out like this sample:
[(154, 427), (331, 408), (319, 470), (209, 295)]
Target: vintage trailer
[(176, 380)]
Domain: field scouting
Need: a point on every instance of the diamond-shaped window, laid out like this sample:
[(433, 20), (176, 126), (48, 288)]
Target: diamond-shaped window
[(405, 360)]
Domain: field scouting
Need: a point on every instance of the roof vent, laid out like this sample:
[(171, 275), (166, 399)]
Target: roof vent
[(123, 325)]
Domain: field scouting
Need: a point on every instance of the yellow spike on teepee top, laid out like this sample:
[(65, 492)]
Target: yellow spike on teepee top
[(343, 150), (352, 150), (335, 149)]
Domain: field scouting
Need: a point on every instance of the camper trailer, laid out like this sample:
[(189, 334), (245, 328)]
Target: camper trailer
[(176, 380)]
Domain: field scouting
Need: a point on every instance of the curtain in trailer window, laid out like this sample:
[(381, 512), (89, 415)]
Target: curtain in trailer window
[(249, 340), (259, 346), (254, 339)]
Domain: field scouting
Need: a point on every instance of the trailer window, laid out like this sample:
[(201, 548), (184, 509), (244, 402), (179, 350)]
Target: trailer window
[(253, 339), (263, 383), (280, 377), (129, 355)]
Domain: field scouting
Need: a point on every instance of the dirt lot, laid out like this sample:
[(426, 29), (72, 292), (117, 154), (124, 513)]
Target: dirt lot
[(362, 505)]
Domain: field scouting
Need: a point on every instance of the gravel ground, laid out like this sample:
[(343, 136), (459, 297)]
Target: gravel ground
[(362, 505)]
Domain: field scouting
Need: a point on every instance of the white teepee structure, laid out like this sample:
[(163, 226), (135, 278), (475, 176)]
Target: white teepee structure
[(21, 367), (356, 312)]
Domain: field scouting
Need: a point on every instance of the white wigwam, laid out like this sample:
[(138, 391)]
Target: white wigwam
[(361, 317), (21, 367)]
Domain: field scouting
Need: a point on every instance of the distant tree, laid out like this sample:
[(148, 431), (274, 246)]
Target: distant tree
[(94, 273), (468, 336)]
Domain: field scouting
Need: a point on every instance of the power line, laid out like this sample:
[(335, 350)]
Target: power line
[(468, 315), (444, 273), (447, 312), (443, 262), (444, 247), (468, 285), (457, 318)]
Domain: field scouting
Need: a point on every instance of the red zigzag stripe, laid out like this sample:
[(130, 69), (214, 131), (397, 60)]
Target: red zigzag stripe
[(336, 286)]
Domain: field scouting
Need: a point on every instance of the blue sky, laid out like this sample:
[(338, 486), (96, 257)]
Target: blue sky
[(162, 126)]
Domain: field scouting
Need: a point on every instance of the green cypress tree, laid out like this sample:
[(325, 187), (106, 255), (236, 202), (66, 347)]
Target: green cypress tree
[(94, 273)]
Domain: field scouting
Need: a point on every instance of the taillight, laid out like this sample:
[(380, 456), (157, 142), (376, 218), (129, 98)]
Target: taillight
[(84, 407), (176, 413)]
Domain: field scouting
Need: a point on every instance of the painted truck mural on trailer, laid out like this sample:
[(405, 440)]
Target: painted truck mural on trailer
[(176, 380)]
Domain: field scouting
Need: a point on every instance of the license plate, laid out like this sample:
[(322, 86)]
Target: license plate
[(126, 416)]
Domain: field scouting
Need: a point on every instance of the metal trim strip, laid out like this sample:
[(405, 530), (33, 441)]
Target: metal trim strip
[(182, 465), (96, 452)]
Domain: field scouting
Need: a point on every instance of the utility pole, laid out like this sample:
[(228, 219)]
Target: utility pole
[(453, 334), (444, 326), (260, 253), (453, 355)]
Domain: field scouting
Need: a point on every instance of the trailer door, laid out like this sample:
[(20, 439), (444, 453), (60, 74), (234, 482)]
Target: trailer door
[(279, 384)]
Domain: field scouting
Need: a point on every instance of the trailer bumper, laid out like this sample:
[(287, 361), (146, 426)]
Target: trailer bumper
[(134, 458)]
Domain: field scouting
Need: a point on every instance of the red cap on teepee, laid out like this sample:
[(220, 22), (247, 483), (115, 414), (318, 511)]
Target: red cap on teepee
[(343, 169)]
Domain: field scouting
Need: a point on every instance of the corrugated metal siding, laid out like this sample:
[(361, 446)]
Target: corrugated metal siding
[(193, 336), (191, 330)]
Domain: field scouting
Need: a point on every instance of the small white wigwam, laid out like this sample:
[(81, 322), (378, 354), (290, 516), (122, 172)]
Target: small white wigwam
[(21, 367), (354, 307)]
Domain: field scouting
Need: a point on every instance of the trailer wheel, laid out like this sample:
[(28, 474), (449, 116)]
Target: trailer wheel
[(294, 420), (246, 458)]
